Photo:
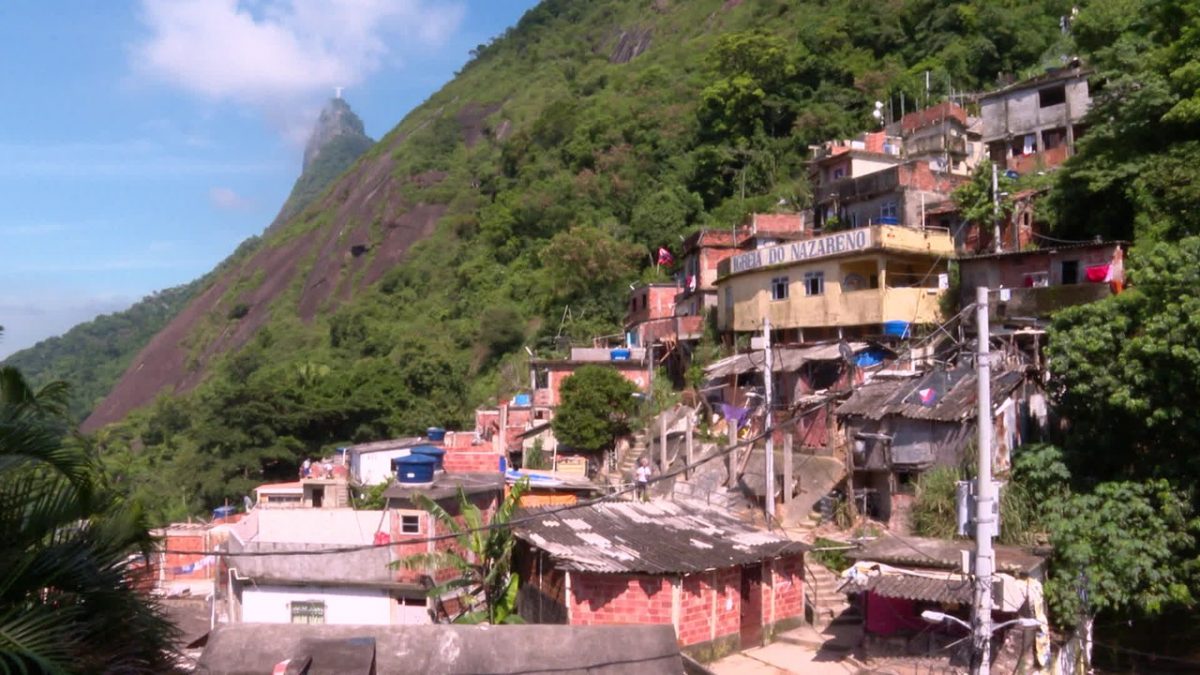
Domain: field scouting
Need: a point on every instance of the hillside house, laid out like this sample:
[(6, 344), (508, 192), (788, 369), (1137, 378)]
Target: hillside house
[(839, 160), (371, 463), (721, 584), (1040, 281), (547, 375), (840, 285), (1033, 124), (349, 587), (943, 136), (704, 250), (895, 428)]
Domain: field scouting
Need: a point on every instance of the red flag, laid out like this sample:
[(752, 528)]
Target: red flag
[(665, 257)]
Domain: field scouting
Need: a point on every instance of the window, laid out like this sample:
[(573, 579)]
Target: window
[(838, 173), (410, 524), (541, 378), (308, 611), (1052, 96), (887, 213), (814, 283), (1053, 138), (1070, 271), (779, 288)]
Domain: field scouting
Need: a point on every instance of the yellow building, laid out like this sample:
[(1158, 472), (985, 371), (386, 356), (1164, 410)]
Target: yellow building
[(842, 284)]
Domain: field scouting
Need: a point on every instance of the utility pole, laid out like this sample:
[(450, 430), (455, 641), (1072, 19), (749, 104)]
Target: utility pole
[(995, 210), (769, 375), (985, 501)]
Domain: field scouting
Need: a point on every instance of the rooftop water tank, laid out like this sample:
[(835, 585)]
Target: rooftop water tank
[(224, 511), (521, 400), (435, 434), (433, 451), (619, 355), (896, 328), (414, 469)]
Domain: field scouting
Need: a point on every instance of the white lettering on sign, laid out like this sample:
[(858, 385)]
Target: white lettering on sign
[(819, 247)]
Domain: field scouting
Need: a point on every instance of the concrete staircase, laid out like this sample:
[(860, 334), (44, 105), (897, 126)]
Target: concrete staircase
[(828, 604), (628, 462)]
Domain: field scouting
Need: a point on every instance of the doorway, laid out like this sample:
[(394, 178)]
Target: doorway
[(752, 615)]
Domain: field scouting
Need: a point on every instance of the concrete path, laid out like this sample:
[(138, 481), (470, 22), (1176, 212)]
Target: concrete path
[(801, 650)]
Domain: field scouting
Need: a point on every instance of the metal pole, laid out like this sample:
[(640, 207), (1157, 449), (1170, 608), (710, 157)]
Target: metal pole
[(687, 439), (985, 516), (995, 210), (768, 375)]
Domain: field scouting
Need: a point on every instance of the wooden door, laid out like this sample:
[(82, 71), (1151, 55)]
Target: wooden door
[(751, 619)]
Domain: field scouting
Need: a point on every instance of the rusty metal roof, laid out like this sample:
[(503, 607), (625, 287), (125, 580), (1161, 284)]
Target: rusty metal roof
[(659, 537), (953, 588), (954, 397)]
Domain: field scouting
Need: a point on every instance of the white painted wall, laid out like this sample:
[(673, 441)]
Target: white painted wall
[(343, 606), (373, 468)]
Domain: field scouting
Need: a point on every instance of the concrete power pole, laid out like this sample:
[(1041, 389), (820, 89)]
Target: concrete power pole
[(995, 210), (768, 423), (985, 500)]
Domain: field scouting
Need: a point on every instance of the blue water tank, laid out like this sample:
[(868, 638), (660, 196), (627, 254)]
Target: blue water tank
[(522, 400), (619, 354), (433, 451), (414, 469), (435, 434), (889, 220), (224, 511), (896, 328)]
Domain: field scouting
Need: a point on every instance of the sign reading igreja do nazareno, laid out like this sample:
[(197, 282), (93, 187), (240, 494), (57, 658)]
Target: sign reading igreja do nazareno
[(817, 247)]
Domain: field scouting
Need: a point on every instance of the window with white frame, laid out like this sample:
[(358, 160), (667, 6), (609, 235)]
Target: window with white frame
[(814, 283), (308, 611), (779, 288), (410, 524)]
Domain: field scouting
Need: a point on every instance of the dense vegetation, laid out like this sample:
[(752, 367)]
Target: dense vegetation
[(68, 603)]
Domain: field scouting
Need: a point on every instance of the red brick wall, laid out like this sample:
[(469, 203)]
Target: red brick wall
[(557, 374), (651, 302), (605, 599), (184, 542), (784, 595), (703, 613)]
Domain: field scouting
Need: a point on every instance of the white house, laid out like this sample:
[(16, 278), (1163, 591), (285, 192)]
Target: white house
[(355, 587), (371, 463)]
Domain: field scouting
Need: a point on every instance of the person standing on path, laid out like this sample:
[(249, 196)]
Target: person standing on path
[(643, 480)]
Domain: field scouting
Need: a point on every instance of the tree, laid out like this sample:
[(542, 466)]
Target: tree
[(67, 600), (596, 405), (975, 199), (483, 558)]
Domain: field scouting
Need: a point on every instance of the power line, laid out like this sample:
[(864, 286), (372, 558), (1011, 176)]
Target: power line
[(495, 526)]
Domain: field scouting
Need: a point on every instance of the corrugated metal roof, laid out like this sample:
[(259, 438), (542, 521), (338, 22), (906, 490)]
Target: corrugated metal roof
[(658, 537), (954, 588), (786, 359), (955, 396), (1048, 249), (945, 554)]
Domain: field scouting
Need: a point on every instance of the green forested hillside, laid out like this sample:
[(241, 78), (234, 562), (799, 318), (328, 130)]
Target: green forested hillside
[(568, 149)]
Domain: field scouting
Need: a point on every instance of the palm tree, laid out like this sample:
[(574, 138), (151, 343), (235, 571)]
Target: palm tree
[(67, 596), (483, 558)]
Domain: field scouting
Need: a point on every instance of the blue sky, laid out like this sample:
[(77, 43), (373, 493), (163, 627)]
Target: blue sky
[(141, 142)]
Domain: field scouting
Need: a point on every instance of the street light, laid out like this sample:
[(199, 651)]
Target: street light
[(941, 617)]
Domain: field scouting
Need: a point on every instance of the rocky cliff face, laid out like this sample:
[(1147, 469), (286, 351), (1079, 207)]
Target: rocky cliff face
[(336, 123)]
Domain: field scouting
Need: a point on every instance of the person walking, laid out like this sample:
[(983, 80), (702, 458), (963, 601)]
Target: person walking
[(643, 480)]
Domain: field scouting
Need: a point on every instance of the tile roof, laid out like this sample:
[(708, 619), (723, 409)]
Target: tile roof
[(955, 395), (658, 537)]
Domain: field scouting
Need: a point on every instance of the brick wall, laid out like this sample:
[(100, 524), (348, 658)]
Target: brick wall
[(785, 590), (606, 599), (710, 606), (185, 541)]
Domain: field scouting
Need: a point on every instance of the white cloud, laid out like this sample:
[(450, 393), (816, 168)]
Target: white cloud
[(272, 53), (227, 199)]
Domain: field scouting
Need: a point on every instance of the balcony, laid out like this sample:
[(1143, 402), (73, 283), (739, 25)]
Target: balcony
[(852, 308)]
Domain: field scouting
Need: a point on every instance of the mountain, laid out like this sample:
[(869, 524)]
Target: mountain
[(513, 208), (336, 141), (92, 356)]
